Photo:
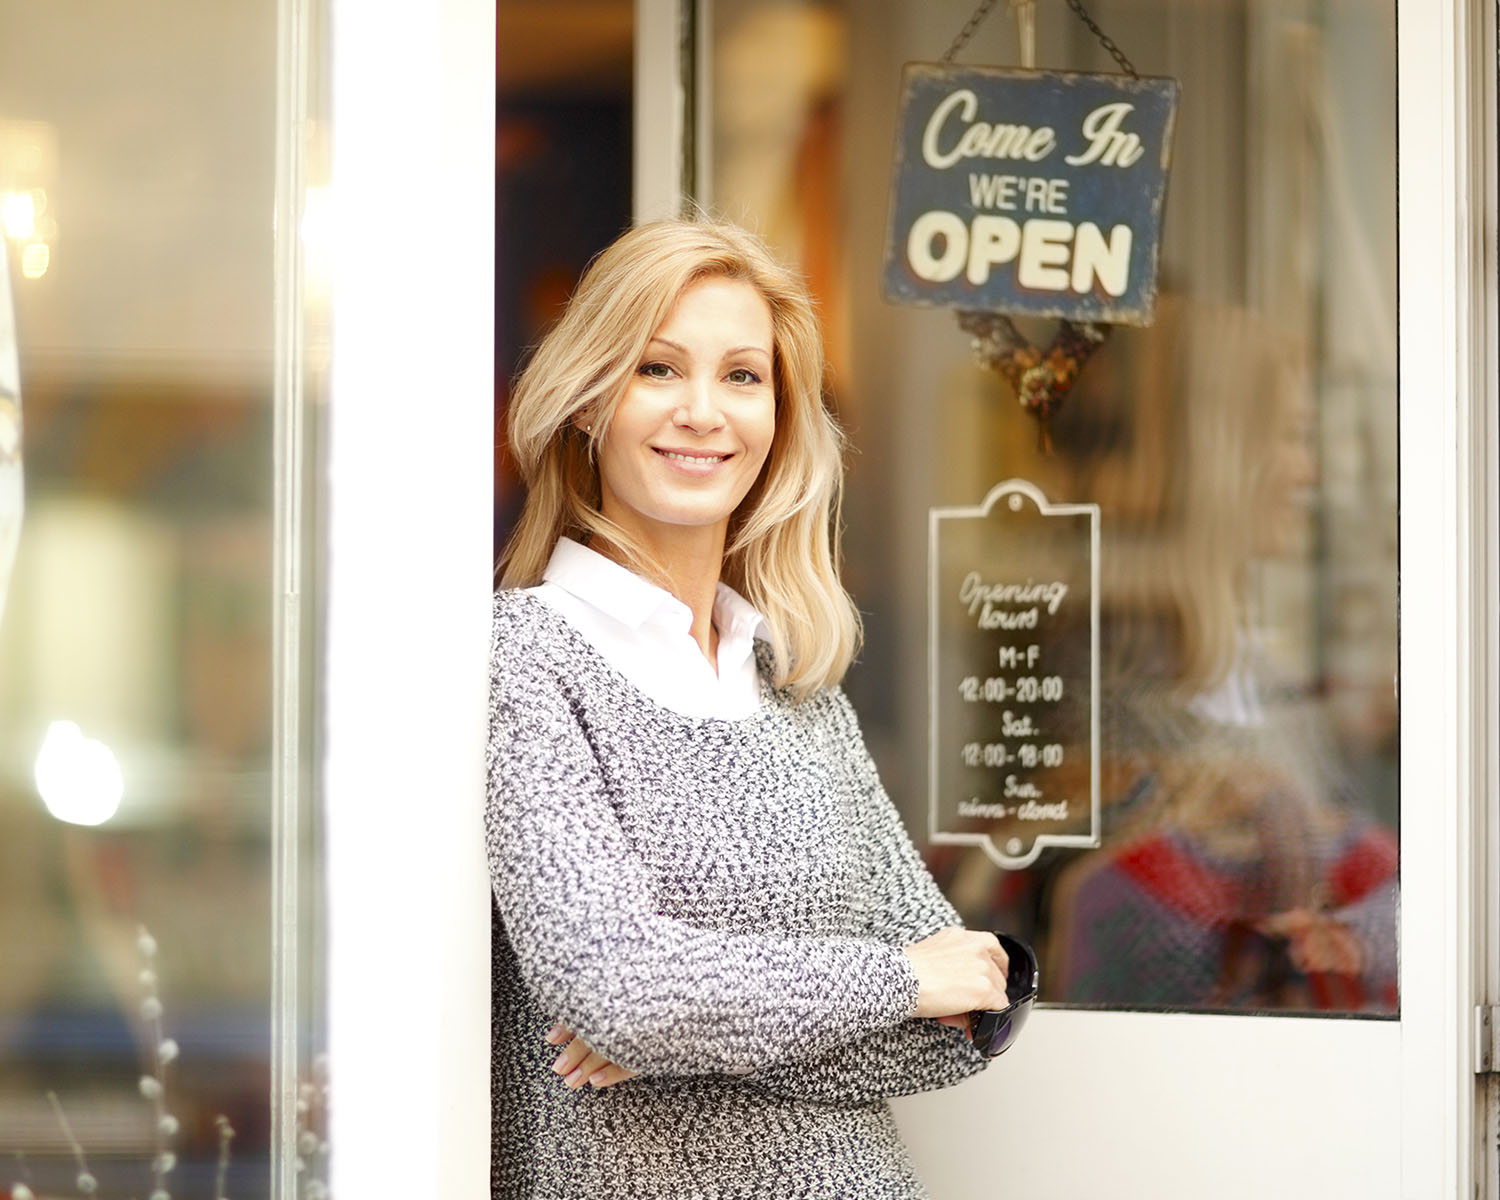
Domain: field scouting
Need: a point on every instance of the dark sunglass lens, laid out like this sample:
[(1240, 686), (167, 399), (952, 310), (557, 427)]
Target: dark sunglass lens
[(1020, 973), (1018, 1020), (1009, 1029), (984, 1027)]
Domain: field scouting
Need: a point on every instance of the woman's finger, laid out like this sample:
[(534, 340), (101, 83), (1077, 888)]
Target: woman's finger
[(573, 1054), (579, 1063), (959, 1021), (587, 1065), (610, 1075)]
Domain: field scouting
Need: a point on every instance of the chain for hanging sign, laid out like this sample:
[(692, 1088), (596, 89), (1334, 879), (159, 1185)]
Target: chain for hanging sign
[(976, 18), (1103, 38)]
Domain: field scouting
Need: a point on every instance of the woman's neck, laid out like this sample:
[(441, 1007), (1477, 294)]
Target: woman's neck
[(692, 566), (698, 591)]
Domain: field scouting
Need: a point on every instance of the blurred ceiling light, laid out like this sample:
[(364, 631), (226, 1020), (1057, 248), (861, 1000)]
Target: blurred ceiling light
[(36, 257), (78, 778), (28, 169), (18, 215)]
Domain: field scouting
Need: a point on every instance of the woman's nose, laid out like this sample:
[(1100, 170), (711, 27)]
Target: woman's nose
[(699, 410)]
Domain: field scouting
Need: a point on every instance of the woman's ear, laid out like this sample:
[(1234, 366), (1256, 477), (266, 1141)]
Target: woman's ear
[(583, 421)]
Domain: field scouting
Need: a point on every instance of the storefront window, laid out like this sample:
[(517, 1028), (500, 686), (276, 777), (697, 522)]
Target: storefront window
[(1241, 451), (147, 731)]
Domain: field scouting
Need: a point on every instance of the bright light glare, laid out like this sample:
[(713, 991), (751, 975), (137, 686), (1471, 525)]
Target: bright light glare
[(18, 215), (36, 257), (78, 778), (317, 237), (317, 217)]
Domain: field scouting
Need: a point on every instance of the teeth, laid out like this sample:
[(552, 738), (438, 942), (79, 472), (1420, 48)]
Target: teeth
[(688, 458)]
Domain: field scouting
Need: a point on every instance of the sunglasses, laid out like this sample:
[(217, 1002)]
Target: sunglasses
[(996, 1029)]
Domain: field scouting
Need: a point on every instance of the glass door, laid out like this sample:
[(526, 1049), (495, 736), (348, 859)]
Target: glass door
[(1230, 966)]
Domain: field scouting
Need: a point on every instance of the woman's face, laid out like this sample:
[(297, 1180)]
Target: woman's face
[(1285, 505), (692, 431)]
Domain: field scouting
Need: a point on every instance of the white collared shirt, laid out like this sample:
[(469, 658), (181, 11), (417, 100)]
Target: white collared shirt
[(645, 633)]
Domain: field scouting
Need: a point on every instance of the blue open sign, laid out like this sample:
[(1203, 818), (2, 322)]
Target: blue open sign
[(1034, 193)]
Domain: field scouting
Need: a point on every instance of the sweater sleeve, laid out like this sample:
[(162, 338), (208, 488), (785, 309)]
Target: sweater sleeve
[(652, 993), (901, 904)]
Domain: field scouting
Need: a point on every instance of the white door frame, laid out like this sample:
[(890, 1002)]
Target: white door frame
[(408, 583), (1445, 53)]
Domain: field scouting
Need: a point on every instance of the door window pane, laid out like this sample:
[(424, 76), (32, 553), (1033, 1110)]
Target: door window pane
[(138, 180), (1241, 450)]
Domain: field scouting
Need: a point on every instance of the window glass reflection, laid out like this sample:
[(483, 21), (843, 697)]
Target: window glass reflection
[(137, 184), (1241, 450)]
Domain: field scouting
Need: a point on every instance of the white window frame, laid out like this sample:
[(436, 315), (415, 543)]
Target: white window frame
[(1445, 63)]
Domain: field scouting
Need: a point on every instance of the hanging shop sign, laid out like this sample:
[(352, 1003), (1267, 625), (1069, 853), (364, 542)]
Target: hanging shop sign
[(1034, 193), (1014, 674)]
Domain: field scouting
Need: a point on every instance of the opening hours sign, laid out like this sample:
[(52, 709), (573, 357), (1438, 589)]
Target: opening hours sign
[(1034, 193), (1014, 674)]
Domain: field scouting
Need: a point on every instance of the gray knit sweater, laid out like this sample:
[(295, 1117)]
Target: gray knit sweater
[(719, 905)]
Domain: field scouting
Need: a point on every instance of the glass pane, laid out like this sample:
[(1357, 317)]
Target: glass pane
[(138, 182), (1241, 451)]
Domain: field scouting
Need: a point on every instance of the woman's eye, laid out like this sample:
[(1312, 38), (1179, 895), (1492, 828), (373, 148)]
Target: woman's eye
[(655, 370), (743, 375)]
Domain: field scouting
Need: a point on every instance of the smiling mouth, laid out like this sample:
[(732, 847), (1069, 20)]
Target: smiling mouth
[(699, 460)]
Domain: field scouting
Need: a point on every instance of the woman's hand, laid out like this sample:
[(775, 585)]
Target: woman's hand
[(580, 1064), (1317, 943), (964, 1021), (959, 971)]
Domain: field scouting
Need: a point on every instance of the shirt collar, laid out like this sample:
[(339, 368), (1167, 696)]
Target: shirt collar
[(622, 594), (737, 618)]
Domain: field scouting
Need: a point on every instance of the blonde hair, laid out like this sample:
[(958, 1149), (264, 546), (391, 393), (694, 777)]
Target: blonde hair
[(782, 548), (1196, 413)]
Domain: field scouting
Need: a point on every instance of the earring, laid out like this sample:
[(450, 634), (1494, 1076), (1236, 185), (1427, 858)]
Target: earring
[(588, 429)]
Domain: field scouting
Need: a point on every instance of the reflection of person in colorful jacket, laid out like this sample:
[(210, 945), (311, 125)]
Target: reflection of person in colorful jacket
[(1230, 890), (1239, 869)]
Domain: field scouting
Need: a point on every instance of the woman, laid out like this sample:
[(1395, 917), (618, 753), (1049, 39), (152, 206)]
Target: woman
[(716, 951)]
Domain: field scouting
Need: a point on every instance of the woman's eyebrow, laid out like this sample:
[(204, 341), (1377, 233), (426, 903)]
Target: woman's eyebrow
[(681, 349)]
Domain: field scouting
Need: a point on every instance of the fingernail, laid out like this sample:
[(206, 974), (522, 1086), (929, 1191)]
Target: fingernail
[(573, 1078), (561, 1060), (596, 1079), (555, 1035)]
